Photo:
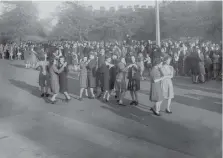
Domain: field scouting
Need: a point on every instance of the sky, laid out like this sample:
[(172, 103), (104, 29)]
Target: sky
[(46, 8)]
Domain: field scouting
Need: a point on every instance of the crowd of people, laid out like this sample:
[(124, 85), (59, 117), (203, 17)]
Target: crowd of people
[(115, 67)]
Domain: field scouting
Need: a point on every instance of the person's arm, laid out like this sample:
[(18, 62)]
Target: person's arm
[(55, 69), (37, 65), (171, 74), (156, 77)]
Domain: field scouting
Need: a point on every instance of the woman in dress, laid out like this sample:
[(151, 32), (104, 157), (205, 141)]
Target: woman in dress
[(121, 80), (194, 59), (83, 77), (134, 80), (201, 65), (156, 93), (141, 65), (91, 74), (54, 78), (63, 80), (167, 85), (107, 85), (26, 58), (11, 52)]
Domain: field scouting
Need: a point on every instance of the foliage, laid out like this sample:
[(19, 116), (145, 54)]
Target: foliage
[(77, 22), (19, 19)]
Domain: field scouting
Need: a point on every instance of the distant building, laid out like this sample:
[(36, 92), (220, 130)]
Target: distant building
[(143, 7), (102, 10), (120, 7), (90, 8), (112, 9)]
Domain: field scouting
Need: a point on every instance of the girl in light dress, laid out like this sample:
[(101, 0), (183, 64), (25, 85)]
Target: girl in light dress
[(11, 52), (166, 83), (156, 91), (83, 77)]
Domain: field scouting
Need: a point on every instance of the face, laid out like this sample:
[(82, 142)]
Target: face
[(61, 60), (91, 56), (114, 57), (85, 59), (54, 61), (168, 61), (108, 60), (133, 59)]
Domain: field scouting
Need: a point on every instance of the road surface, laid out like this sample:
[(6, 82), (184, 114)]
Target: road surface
[(32, 128)]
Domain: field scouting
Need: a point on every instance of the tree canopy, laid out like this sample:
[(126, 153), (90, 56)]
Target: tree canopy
[(78, 22)]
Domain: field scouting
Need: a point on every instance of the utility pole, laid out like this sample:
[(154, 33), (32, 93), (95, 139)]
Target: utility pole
[(157, 24)]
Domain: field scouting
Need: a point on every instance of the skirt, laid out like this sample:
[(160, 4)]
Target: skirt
[(120, 85), (44, 80), (83, 81), (156, 93), (133, 85)]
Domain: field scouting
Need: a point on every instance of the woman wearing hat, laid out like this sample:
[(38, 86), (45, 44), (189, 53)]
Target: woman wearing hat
[(156, 93), (166, 83)]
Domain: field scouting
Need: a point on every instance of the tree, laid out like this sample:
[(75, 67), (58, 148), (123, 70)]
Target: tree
[(20, 19)]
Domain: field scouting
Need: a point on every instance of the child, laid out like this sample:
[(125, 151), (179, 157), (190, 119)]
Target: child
[(44, 77)]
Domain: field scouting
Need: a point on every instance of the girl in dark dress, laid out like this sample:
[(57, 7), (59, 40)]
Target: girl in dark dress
[(194, 65), (134, 80), (63, 81), (106, 78), (91, 74)]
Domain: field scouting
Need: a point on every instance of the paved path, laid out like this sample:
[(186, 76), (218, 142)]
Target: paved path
[(32, 128)]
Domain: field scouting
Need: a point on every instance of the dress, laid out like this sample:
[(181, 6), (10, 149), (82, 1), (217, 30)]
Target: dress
[(134, 79), (156, 93), (201, 64), (106, 77), (83, 75), (91, 73), (54, 78), (120, 77), (113, 73), (167, 84), (63, 80)]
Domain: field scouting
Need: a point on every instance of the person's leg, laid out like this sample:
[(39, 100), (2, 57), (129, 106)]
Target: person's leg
[(92, 92), (67, 95), (42, 91), (108, 96), (136, 96), (168, 105), (105, 94), (132, 96), (53, 99), (158, 106), (86, 92), (81, 93)]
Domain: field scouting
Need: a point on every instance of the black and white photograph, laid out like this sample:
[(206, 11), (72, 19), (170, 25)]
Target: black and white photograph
[(111, 79)]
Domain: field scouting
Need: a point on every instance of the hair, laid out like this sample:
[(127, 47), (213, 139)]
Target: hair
[(157, 61), (166, 58)]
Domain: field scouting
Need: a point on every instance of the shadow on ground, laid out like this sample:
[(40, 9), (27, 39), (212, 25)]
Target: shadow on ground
[(18, 66), (207, 103)]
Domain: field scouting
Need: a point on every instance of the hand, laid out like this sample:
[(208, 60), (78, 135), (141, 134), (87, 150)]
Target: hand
[(65, 64)]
